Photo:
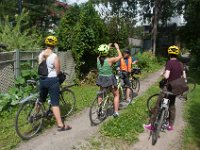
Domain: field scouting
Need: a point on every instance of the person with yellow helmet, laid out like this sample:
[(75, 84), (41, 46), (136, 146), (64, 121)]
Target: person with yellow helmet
[(106, 77), (174, 70), (49, 68)]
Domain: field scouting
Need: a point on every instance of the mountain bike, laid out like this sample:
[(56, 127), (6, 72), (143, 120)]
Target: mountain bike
[(161, 122), (190, 81), (123, 88), (99, 111), (29, 121), (135, 82)]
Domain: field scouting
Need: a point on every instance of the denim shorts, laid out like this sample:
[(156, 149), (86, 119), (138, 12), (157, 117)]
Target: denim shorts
[(49, 86)]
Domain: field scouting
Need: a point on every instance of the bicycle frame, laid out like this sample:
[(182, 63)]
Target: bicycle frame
[(105, 97), (119, 85), (28, 98)]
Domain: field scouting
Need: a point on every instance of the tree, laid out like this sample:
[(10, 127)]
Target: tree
[(155, 11), (12, 36), (82, 31), (8, 7), (120, 8), (190, 34)]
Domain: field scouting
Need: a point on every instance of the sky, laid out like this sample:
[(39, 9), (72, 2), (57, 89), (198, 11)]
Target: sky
[(76, 1), (179, 20)]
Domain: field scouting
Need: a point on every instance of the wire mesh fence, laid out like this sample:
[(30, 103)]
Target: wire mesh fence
[(10, 65)]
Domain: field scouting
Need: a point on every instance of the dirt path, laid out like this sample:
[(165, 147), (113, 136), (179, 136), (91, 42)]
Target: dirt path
[(168, 140), (53, 140)]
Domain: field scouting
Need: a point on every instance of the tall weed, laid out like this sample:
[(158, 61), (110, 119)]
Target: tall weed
[(14, 35)]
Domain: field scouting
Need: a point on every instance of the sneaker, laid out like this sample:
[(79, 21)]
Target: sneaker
[(148, 127), (99, 111), (116, 114), (170, 128), (128, 101)]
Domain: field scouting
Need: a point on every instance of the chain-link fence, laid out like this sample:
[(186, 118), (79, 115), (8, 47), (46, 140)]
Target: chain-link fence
[(10, 65)]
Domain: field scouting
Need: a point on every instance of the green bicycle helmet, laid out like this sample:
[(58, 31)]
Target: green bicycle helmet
[(103, 50)]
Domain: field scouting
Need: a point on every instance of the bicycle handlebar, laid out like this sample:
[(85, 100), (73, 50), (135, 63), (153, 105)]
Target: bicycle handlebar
[(32, 81)]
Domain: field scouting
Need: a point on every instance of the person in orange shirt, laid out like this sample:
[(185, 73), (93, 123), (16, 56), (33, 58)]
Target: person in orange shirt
[(125, 65)]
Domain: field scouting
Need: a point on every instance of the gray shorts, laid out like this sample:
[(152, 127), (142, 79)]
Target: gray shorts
[(107, 81)]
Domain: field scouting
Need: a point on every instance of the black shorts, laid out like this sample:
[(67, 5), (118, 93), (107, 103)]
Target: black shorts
[(125, 78), (49, 86)]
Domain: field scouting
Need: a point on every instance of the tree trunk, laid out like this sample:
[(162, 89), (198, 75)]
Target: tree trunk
[(155, 26), (20, 6)]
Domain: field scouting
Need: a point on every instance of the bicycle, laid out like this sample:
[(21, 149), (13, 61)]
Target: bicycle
[(100, 111), (29, 121), (190, 81), (135, 82), (161, 122)]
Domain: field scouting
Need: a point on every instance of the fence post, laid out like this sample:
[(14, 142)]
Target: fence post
[(32, 61), (17, 63)]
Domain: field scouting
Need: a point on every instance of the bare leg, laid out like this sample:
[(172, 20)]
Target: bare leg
[(128, 91), (115, 92), (100, 97), (56, 112)]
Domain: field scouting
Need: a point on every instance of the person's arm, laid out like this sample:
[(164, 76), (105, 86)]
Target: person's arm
[(166, 74), (116, 59), (134, 60), (57, 65), (40, 58)]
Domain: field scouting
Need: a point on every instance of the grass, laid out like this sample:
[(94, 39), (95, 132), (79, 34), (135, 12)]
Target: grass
[(119, 133), (192, 117), (129, 124), (84, 96), (8, 136)]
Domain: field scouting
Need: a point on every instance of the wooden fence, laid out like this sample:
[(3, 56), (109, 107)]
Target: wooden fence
[(10, 65)]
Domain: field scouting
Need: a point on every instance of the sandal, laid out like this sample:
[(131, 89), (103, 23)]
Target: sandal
[(64, 128)]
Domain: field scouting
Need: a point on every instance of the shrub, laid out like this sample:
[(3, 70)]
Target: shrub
[(19, 91), (82, 31), (15, 37), (148, 62)]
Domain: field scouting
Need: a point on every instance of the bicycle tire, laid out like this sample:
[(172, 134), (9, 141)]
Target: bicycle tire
[(191, 83), (151, 102), (158, 127), (67, 102), (135, 84), (35, 129), (104, 112)]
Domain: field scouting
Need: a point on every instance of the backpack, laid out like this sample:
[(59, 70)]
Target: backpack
[(61, 77), (42, 68)]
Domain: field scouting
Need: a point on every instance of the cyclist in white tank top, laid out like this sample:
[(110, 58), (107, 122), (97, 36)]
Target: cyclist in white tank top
[(50, 84), (50, 63)]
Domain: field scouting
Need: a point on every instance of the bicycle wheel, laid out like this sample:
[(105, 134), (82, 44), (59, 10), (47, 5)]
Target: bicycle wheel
[(135, 84), (98, 113), (131, 94), (191, 84), (158, 125), (67, 102), (151, 101), (28, 122)]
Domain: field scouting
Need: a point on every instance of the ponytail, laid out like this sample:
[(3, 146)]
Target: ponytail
[(102, 59)]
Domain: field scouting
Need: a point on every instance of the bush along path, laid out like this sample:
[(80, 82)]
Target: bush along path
[(81, 128)]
